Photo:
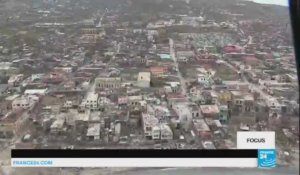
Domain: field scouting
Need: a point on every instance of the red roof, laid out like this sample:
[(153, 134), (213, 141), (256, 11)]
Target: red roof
[(250, 60), (233, 49)]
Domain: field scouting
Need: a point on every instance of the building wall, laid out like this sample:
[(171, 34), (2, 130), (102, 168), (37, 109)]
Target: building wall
[(147, 130), (143, 83), (64, 69), (144, 79), (20, 103), (155, 133), (91, 104)]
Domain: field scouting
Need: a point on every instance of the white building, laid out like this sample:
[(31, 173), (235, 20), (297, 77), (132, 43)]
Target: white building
[(91, 101), (64, 69), (184, 113), (202, 78), (68, 104), (155, 130), (148, 122), (185, 54), (208, 145), (182, 59), (144, 79), (36, 76), (135, 100), (36, 91), (57, 125), (166, 132), (156, 135), (274, 105), (93, 132)]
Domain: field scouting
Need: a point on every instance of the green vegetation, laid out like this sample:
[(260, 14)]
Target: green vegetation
[(157, 82), (226, 73), (281, 138), (29, 37), (6, 31)]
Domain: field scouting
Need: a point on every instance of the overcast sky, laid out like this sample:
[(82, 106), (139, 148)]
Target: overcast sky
[(278, 2)]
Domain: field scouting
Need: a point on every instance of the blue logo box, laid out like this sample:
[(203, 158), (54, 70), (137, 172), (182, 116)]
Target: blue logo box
[(266, 158)]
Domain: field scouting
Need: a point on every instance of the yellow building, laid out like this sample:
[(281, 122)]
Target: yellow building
[(224, 97)]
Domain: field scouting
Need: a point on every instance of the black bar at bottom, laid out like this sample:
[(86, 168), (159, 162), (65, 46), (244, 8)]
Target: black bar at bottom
[(132, 153)]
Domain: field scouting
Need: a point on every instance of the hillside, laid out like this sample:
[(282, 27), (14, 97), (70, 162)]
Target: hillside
[(250, 10)]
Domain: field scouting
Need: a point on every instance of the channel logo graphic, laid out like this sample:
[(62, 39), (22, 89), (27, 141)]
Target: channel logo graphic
[(267, 158)]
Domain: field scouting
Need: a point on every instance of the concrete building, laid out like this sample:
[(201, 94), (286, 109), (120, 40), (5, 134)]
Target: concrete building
[(274, 105), (208, 145), (242, 102), (91, 101), (36, 91), (57, 126), (209, 111), (91, 35), (64, 69), (24, 102), (108, 82), (166, 132), (162, 132), (201, 129), (224, 114), (144, 79), (3, 89), (156, 133), (93, 132), (184, 114), (148, 123), (15, 80), (37, 77), (134, 101), (6, 68), (185, 54)]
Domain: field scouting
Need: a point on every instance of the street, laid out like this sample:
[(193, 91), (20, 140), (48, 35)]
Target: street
[(253, 87), (179, 75)]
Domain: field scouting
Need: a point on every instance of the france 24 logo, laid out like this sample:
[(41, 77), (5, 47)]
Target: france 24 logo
[(267, 158)]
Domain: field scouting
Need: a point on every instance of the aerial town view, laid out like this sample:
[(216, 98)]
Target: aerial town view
[(141, 74)]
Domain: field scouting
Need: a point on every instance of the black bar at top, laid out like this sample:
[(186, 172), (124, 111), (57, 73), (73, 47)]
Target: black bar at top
[(131, 153)]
